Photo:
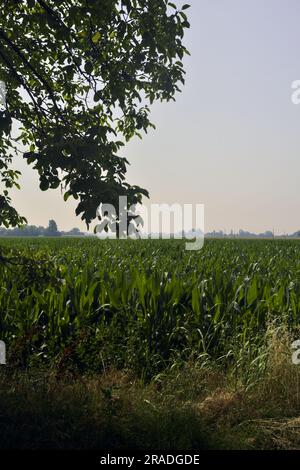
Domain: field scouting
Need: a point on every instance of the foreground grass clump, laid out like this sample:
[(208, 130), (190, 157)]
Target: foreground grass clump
[(194, 407)]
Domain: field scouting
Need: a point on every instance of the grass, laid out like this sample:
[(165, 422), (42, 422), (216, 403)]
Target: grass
[(194, 407), (95, 305), (144, 345)]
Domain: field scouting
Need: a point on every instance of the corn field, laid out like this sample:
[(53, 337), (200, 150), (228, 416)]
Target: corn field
[(89, 304)]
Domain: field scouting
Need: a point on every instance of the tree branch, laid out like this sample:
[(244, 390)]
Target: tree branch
[(23, 83), (28, 64)]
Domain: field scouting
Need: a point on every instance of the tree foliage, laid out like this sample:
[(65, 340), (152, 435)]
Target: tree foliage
[(80, 76), (52, 229)]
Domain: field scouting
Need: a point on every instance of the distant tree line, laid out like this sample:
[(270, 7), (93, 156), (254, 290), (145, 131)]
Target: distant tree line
[(246, 234), (34, 231), (52, 231)]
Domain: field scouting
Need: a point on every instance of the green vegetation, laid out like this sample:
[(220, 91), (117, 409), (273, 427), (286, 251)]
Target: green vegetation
[(80, 80), (144, 305), (143, 334)]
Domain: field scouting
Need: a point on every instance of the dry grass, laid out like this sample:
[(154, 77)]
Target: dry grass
[(191, 408)]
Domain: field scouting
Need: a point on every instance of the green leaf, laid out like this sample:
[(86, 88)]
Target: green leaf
[(88, 67), (97, 96), (96, 37), (44, 185)]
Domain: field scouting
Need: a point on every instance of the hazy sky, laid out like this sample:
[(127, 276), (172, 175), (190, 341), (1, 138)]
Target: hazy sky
[(232, 139)]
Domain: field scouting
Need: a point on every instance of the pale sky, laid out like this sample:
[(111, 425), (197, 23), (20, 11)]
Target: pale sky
[(232, 139)]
